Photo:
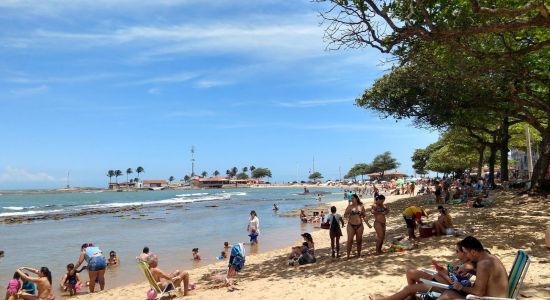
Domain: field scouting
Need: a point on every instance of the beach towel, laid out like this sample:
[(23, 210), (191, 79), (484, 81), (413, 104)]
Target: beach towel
[(237, 258)]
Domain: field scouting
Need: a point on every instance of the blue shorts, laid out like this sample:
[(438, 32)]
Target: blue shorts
[(97, 263)]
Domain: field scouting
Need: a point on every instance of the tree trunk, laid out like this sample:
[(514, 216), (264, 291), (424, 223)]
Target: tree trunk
[(540, 180), (492, 160), (504, 139), (481, 151)]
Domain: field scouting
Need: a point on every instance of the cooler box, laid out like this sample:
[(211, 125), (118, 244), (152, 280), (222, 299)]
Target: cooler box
[(426, 231)]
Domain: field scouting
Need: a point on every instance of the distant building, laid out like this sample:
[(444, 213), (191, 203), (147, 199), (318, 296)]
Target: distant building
[(219, 182), (387, 175), (125, 185), (157, 183)]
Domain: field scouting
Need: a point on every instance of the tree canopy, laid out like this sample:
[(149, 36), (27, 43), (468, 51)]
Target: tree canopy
[(315, 176), (261, 173)]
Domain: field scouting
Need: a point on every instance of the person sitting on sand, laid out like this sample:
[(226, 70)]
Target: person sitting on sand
[(356, 214), (379, 210), (491, 277), (456, 271), (144, 254), (28, 286), (444, 222), (297, 250), (113, 260), (165, 280), (43, 283), (71, 280), (413, 215), (196, 255), (335, 232), (13, 287), (223, 255)]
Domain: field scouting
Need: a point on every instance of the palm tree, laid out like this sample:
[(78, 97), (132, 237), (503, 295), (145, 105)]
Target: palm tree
[(252, 168), (186, 178), (228, 173), (139, 170), (117, 173), (204, 173), (216, 173), (234, 171), (110, 174), (170, 179), (128, 172), (136, 179), (245, 169)]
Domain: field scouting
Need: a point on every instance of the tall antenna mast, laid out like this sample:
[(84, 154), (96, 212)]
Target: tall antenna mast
[(68, 177), (192, 161), (313, 171)]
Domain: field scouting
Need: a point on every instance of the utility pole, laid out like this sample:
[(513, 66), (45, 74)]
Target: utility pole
[(313, 164), (340, 173), (192, 161), (68, 177)]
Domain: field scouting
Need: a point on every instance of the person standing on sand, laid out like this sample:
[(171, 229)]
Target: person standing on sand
[(379, 210), (412, 188), (253, 224), (413, 215), (43, 283), (356, 214), (96, 264), (335, 232)]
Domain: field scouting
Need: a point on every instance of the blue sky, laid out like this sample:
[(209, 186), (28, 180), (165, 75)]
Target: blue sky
[(89, 86)]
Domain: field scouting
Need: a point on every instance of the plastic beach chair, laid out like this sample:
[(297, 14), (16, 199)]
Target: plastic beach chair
[(154, 285), (515, 279)]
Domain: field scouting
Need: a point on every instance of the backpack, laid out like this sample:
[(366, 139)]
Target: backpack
[(334, 223)]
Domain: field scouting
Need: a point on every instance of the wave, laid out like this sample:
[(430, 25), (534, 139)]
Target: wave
[(190, 195), (14, 207), (114, 205)]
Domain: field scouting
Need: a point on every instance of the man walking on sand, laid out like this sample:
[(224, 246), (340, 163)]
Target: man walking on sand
[(491, 276)]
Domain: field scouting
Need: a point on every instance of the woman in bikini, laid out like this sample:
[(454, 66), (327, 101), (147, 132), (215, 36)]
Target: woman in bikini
[(379, 210), (43, 283), (355, 213)]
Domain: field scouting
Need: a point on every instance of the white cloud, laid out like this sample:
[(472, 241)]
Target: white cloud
[(206, 84), (312, 103), (193, 113), (153, 91), (11, 174), (29, 91), (173, 78)]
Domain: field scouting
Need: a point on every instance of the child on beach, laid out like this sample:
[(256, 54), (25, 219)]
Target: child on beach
[(253, 236), (226, 245), (222, 256), (13, 287), (71, 280), (196, 255), (335, 232)]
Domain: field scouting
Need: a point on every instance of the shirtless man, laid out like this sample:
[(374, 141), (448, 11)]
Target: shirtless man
[(164, 279), (491, 276)]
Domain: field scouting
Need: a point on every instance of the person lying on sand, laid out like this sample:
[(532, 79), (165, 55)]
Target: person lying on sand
[(455, 271), (491, 276), (163, 279)]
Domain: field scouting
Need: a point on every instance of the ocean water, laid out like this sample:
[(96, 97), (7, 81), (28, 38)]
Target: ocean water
[(170, 223)]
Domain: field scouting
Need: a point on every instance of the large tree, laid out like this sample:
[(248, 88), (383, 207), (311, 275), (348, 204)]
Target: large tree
[(384, 162), (261, 173), (128, 172), (315, 176), (473, 44), (139, 170), (110, 174), (117, 173)]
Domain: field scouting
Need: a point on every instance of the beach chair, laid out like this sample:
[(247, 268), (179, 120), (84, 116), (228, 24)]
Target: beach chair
[(515, 279), (154, 285)]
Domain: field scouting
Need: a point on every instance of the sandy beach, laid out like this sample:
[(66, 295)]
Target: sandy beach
[(511, 223)]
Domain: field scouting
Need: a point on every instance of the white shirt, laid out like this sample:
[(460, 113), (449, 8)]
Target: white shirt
[(254, 224)]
